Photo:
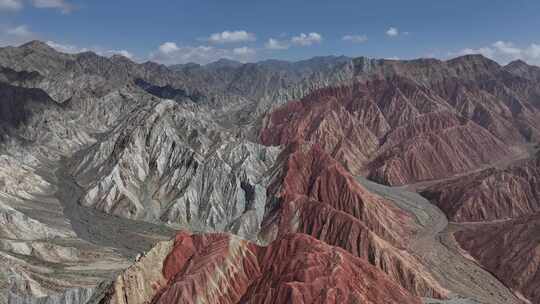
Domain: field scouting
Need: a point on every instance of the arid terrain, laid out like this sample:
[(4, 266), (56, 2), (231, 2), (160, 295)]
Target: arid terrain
[(328, 180)]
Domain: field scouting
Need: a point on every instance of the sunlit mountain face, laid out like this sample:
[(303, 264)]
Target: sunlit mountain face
[(244, 162)]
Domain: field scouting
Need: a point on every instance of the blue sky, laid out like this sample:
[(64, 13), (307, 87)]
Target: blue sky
[(205, 30)]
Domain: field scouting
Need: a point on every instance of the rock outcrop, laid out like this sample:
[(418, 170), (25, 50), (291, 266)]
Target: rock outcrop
[(172, 164), (219, 268), (68, 76), (492, 194), (326, 120), (313, 194), (510, 250), (399, 131)]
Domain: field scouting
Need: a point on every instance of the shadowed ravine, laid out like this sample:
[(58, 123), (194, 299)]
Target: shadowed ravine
[(435, 246)]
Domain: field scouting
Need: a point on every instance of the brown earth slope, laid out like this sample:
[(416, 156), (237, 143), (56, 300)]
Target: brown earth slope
[(510, 250), (492, 194), (315, 195), (411, 121)]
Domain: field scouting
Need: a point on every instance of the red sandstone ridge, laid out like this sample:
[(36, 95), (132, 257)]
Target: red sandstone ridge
[(491, 194), (308, 172), (510, 250), (325, 120), (318, 273), (410, 122), (222, 268), (315, 195), (444, 148)]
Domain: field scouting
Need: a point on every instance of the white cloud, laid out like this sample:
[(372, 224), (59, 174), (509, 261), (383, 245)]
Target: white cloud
[(392, 32), (307, 40), (13, 5), (168, 47), (504, 52), (124, 53), (62, 5), (15, 35), (66, 48), (73, 49), (507, 48), (170, 53), (355, 38), (244, 51), (231, 37), (533, 51), (486, 51), (301, 40), (19, 31), (274, 44), (21, 34), (10, 5)]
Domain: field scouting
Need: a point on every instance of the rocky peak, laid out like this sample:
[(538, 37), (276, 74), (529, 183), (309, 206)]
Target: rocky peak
[(120, 58), (472, 58), (224, 63), (38, 46), (365, 64), (522, 69), (474, 65), (185, 66), (517, 63)]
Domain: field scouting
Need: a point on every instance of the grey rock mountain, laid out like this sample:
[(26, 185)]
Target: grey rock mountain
[(103, 158)]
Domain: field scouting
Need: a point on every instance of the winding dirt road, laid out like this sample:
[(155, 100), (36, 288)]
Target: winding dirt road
[(436, 248)]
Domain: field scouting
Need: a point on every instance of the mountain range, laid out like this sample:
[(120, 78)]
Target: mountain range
[(329, 180)]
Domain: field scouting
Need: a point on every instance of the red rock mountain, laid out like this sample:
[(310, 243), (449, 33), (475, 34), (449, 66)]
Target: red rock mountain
[(413, 121), (220, 268), (492, 194), (510, 250), (317, 196)]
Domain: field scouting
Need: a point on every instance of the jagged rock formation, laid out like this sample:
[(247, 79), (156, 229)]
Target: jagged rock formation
[(65, 76), (315, 195), (510, 250), (102, 157), (327, 122), (46, 252), (219, 268), (400, 130), (272, 81), (169, 163), (522, 69), (434, 154), (492, 194), (73, 295)]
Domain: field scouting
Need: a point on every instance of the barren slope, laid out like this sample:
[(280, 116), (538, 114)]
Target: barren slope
[(399, 126), (219, 268), (510, 250), (313, 194), (492, 194)]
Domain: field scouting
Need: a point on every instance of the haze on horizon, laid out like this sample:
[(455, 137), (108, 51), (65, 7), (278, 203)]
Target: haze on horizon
[(246, 31)]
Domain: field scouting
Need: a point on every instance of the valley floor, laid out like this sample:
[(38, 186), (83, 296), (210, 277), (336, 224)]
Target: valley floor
[(436, 248), (99, 245)]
